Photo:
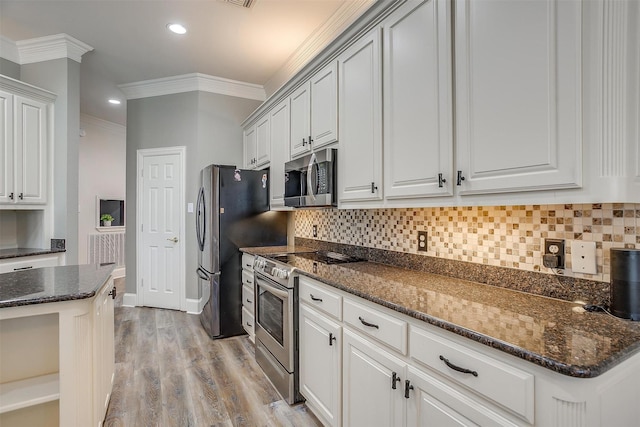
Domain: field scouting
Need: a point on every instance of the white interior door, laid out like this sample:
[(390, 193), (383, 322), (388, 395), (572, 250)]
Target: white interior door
[(161, 228)]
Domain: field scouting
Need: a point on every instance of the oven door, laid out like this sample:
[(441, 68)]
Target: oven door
[(274, 319)]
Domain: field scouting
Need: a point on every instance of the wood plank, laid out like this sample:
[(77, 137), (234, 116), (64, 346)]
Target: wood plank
[(170, 373)]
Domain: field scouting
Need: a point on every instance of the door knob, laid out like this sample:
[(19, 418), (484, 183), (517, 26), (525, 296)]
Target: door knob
[(174, 240)]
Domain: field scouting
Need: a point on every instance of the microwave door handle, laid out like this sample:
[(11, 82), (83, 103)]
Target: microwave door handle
[(310, 190)]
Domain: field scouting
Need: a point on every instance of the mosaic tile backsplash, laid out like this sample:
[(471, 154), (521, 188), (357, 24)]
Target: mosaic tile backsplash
[(503, 236)]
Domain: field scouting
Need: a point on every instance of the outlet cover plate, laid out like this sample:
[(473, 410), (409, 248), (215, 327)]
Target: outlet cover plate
[(422, 241), (583, 257), (555, 247)]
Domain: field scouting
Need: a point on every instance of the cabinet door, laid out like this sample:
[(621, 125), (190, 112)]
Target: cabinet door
[(103, 348), (300, 116), (279, 151), (360, 110), (324, 106), (320, 364), (263, 141), (432, 403), (518, 95), (6, 148), (369, 399), (249, 139), (30, 150), (418, 121)]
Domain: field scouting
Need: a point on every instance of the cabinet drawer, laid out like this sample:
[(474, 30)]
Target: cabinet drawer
[(387, 329), (247, 278), (27, 263), (247, 298), (495, 380), (247, 322), (317, 296), (247, 261)]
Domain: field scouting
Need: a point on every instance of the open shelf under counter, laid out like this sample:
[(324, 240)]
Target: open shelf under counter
[(29, 392)]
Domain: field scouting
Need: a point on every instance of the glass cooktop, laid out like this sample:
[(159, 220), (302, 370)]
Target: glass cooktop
[(325, 257)]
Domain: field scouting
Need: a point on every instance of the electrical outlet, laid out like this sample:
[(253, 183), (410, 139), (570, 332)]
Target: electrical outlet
[(554, 255), (422, 241), (315, 231)]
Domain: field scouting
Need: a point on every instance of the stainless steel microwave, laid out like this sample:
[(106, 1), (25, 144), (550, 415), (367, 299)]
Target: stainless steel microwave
[(311, 181)]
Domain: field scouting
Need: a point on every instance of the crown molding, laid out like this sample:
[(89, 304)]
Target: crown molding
[(51, 47), (114, 128), (318, 40), (192, 82), (9, 50)]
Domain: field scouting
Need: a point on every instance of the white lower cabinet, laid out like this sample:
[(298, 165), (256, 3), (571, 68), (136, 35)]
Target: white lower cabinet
[(320, 365), (372, 384), (248, 302), (398, 371)]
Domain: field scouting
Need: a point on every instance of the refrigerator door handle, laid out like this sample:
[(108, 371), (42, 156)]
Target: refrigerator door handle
[(202, 274), (201, 223)]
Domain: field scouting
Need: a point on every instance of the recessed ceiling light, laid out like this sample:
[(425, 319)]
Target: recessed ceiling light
[(177, 28), (114, 101)]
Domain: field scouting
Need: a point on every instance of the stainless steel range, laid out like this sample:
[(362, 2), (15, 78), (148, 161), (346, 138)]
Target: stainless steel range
[(276, 290)]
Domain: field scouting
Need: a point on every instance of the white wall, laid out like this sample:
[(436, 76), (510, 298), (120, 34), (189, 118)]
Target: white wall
[(102, 172)]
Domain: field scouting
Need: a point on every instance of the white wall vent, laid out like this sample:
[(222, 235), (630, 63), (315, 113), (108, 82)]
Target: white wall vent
[(243, 3)]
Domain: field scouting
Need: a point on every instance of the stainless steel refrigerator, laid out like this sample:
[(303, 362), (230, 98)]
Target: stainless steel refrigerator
[(232, 212)]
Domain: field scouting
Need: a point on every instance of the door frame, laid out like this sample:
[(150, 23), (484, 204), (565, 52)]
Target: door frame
[(141, 155)]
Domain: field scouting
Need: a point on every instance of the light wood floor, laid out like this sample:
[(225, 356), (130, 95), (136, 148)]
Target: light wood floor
[(168, 372)]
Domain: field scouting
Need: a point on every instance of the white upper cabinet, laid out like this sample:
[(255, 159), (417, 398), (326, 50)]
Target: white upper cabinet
[(263, 141), (6, 148), (279, 151), (314, 118), (26, 112), (249, 139), (300, 125), (324, 106), (418, 122), (518, 95), (360, 112), (257, 143)]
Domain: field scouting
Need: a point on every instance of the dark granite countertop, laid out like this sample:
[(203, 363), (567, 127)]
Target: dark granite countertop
[(555, 334), (273, 250), (21, 252), (52, 284)]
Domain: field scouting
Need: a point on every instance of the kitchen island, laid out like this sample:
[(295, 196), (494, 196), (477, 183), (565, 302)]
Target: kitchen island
[(56, 345), (531, 360)]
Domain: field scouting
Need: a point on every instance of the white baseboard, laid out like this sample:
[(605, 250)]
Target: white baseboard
[(194, 306), (129, 300), (119, 272)]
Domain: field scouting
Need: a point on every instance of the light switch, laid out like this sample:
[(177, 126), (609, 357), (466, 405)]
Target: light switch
[(583, 257), (190, 207)]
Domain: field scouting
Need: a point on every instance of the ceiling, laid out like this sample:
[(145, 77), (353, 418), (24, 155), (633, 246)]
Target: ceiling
[(131, 42)]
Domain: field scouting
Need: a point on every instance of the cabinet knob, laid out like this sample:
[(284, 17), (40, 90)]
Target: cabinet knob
[(374, 187), (20, 196), (407, 387), (113, 293), (331, 338), (441, 180), (310, 140), (460, 178), (304, 142), (394, 379)]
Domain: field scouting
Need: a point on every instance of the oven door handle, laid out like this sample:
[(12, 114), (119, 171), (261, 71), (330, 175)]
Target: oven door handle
[(270, 288)]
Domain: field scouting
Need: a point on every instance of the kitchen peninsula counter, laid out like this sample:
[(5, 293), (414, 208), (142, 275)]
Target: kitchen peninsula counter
[(52, 284), (23, 252), (56, 344), (555, 334)]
